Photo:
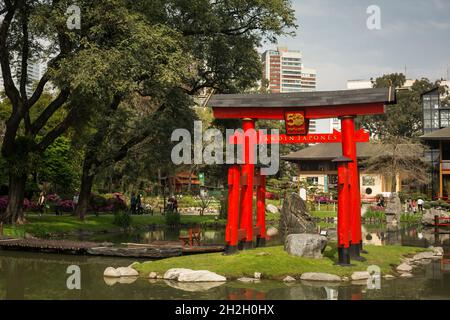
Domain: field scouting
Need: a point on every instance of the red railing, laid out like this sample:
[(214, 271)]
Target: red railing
[(438, 223)]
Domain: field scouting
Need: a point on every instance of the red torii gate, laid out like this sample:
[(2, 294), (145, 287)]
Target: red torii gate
[(296, 109)]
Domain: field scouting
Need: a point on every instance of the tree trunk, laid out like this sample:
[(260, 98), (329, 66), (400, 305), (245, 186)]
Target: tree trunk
[(16, 195), (394, 183), (87, 181)]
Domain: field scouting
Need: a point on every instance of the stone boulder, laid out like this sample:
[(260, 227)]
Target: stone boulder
[(360, 275), (174, 273), (317, 276), (111, 272), (271, 208), (305, 245), (188, 275), (404, 268), (295, 217), (127, 272), (200, 276), (428, 216), (289, 279), (394, 209), (424, 255)]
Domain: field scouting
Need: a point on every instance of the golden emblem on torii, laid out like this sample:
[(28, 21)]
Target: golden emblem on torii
[(295, 122)]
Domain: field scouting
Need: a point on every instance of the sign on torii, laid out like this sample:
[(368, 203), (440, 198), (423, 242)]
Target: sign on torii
[(335, 137)]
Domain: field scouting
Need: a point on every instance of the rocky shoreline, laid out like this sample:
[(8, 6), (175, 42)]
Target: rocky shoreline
[(404, 270)]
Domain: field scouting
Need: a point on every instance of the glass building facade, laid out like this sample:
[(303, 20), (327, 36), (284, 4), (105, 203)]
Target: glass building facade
[(436, 117)]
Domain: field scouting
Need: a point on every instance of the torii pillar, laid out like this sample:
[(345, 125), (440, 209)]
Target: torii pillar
[(349, 151), (248, 172)]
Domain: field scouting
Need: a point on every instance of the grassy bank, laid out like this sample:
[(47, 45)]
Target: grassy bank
[(275, 263), (46, 225)]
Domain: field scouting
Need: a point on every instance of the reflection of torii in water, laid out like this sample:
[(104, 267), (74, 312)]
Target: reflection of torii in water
[(345, 105)]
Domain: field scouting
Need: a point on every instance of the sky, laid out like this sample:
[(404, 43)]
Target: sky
[(335, 40)]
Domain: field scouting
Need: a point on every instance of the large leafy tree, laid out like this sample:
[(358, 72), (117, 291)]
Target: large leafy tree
[(115, 53), (219, 40), (403, 119)]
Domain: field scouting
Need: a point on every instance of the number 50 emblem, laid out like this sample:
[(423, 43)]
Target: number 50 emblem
[(295, 122)]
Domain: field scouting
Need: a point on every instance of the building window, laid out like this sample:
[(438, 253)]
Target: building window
[(312, 181)]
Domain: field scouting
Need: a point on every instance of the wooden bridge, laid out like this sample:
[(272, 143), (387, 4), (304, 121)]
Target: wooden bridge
[(155, 250)]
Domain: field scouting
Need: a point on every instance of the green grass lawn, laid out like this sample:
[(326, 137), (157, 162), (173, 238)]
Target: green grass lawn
[(46, 225), (324, 214), (277, 264)]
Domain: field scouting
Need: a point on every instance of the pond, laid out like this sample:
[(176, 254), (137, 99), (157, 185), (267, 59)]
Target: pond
[(44, 276)]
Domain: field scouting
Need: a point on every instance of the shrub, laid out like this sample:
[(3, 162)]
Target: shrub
[(98, 203), (30, 205), (65, 205), (122, 220), (27, 204), (53, 198), (411, 218), (375, 213)]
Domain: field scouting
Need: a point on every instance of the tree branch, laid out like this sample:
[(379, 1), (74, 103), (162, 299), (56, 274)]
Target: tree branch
[(25, 54), (40, 122), (58, 130), (10, 89)]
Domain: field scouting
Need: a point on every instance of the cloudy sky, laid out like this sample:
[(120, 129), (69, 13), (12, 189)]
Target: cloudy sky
[(335, 40)]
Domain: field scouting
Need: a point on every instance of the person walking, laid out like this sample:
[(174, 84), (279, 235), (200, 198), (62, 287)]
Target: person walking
[(41, 202), (414, 206), (420, 204), (75, 201), (133, 203), (139, 204)]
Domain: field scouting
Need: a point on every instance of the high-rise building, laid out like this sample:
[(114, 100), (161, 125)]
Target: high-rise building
[(34, 71), (284, 71)]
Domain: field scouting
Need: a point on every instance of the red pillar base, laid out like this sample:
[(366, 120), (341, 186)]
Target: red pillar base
[(260, 242), (355, 252), (229, 250), (344, 257), (245, 245)]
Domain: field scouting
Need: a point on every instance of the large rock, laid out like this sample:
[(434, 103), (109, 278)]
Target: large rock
[(316, 276), (305, 245), (404, 268), (360, 275), (272, 208), (174, 273), (424, 255), (289, 279), (295, 217), (111, 272), (200, 276), (428, 216), (127, 272), (393, 209)]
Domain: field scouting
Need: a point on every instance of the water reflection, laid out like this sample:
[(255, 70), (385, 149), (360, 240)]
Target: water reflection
[(43, 276)]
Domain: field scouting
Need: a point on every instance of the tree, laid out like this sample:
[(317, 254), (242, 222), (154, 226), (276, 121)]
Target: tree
[(113, 54), (219, 39), (403, 119), (398, 157)]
